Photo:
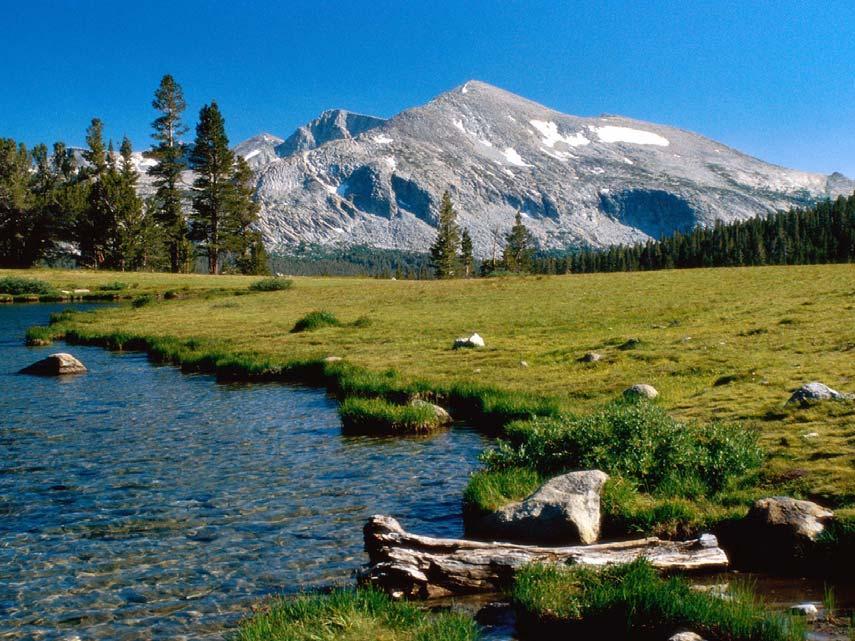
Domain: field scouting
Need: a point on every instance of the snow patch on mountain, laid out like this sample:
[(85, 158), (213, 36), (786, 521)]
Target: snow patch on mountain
[(612, 133)]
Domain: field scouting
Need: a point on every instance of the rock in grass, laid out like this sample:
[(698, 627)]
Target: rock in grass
[(56, 365), (815, 391), (564, 510), (641, 390), (591, 357), (466, 342), (333, 359), (782, 517), (442, 416)]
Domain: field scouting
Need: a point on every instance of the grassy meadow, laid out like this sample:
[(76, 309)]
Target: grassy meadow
[(718, 344)]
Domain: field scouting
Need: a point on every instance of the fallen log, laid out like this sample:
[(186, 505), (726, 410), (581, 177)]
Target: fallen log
[(412, 566)]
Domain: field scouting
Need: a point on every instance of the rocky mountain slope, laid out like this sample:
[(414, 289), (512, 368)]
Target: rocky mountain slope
[(346, 178)]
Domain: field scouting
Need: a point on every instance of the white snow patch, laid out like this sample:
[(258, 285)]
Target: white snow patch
[(509, 173), (598, 170), (382, 139), (612, 133), (605, 191), (514, 158), (628, 161), (524, 215), (459, 125), (486, 143), (390, 161), (563, 156), (549, 131), (338, 230), (465, 88), (252, 154)]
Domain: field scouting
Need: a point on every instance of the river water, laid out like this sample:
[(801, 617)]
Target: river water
[(137, 502)]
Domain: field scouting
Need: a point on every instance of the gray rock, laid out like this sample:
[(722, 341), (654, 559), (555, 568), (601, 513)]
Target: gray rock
[(56, 365), (464, 342), (788, 518), (442, 416), (565, 509), (686, 636), (815, 391), (333, 359), (591, 357), (641, 390), (594, 181)]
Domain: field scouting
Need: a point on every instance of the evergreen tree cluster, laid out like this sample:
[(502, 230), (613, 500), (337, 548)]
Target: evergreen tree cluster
[(824, 233), (50, 204)]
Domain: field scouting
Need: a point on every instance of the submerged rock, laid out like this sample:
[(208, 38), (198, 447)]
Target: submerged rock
[(807, 610), (641, 390), (816, 391), (565, 509), (474, 340), (56, 365)]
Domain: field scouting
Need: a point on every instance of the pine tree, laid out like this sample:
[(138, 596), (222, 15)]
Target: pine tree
[(15, 202), (240, 238), (131, 245), (519, 248), (214, 190), (444, 249), (168, 128), (96, 228), (466, 257)]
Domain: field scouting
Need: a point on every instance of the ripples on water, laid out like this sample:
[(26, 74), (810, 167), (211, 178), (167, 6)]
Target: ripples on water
[(137, 502)]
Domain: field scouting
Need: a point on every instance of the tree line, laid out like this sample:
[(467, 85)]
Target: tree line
[(824, 233), (50, 203)]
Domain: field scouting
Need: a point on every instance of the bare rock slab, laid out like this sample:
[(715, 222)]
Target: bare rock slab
[(565, 509), (60, 364), (468, 342)]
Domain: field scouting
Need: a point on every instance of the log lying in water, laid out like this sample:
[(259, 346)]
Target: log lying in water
[(413, 566)]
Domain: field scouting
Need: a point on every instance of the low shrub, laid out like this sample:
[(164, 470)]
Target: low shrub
[(632, 601), (142, 300), (316, 320), (40, 335), (275, 284), (353, 615), (115, 286), (378, 417), (18, 286), (638, 441)]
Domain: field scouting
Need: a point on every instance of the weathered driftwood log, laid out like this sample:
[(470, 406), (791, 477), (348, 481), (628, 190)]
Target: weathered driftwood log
[(409, 565)]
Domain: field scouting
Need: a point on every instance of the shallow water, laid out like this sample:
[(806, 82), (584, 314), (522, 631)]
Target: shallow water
[(137, 502)]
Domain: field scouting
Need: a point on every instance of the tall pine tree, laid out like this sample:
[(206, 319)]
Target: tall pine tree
[(214, 191), (168, 128), (96, 227), (466, 257), (443, 252), (242, 240), (519, 247)]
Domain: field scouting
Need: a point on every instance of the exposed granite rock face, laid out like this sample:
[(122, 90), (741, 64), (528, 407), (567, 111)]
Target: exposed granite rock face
[(593, 181), (59, 364), (334, 124), (258, 150), (788, 518), (565, 509)]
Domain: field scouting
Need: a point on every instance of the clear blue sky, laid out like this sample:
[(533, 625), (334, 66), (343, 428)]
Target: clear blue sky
[(774, 79)]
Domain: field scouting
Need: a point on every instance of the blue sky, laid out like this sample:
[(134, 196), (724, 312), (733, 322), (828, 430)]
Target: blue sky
[(774, 79)]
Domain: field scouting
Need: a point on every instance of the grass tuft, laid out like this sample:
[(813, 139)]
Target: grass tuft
[(19, 286), (316, 320), (353, 615), (379, 417), (275, 284), (632, 601)]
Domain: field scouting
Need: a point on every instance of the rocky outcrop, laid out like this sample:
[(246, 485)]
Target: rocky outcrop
[(641, 390), (591, 357), (565, 509), (466, 342), (813, 392), (60, 364), (782, 517), (595, 181)]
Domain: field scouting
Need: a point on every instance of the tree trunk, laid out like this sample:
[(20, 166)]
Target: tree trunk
[(413, 566)]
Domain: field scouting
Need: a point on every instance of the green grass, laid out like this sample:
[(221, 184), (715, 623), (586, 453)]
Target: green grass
[(377, 416), (316, 320), (352, 615), (633, 601), (275, 284), (694, 327)]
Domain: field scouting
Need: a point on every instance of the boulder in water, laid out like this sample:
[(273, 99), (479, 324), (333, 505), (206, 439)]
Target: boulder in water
[(59, 364)]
